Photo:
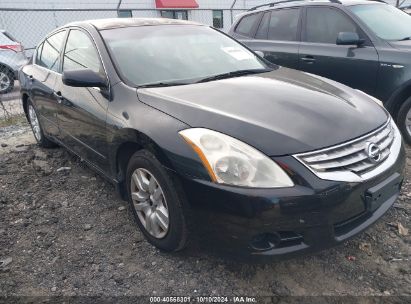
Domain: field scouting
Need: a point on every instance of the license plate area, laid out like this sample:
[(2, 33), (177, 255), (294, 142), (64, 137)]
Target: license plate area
[(377, 195)]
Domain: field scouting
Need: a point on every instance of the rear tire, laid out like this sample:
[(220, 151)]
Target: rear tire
[(156, 202), (35, 125), (6, 80), (404, 120)]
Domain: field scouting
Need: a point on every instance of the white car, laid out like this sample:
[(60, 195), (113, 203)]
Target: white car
[(12, 58)]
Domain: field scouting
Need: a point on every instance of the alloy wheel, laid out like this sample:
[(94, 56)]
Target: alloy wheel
[(34, 123), (149, 203), (4, 81), (408, 122)]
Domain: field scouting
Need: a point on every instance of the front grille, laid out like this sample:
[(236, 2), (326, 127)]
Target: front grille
[(353, 156)]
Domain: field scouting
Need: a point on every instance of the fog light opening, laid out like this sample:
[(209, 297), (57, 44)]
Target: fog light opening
[(265, 241)]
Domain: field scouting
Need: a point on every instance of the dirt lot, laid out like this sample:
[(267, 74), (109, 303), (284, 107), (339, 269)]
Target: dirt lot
[(64, 232)]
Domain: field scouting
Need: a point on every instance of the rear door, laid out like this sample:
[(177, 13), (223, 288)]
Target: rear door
[(43, 77), (278, 36), (354, 66), (82, 112)]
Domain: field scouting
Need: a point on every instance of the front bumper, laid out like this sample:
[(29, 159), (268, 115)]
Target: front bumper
[(311, 216)]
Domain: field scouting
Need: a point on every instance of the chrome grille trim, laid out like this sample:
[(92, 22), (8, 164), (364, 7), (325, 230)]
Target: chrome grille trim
[(350, 162)]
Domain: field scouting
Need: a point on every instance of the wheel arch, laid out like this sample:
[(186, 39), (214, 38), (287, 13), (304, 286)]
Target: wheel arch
[(25, 99), (396, 99), (128, 142), (6, 66)]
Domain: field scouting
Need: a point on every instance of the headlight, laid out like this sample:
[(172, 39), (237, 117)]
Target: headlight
[(230, 161), (379, 102)]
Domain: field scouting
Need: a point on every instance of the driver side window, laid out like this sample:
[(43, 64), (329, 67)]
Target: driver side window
[(80, 53), (323, 25)]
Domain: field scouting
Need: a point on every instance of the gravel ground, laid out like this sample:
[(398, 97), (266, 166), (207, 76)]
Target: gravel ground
[(10, 103), (65, 232)]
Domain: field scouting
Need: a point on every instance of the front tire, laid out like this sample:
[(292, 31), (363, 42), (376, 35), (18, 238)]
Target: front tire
[(6, 80), (404, 120), (156, 202), (38, 133)]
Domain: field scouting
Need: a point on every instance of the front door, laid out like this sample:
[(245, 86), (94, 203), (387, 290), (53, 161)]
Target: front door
[(354, 66), (83, 110)]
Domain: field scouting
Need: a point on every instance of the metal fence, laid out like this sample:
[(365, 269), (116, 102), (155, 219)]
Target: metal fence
[(26, 22)]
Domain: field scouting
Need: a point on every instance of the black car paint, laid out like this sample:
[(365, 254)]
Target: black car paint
[(367, 67), (104, 126), (320, 213), (318, 109)]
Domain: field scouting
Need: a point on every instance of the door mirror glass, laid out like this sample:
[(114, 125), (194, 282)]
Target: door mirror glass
[(83, 78), (349, 38), (259, 53)]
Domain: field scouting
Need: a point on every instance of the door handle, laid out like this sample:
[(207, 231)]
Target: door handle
[(309, 59), (58, 96)]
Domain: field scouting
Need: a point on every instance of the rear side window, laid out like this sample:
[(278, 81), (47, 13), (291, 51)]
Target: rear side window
[(284, 24), (324, 24), (80, 53), (247, 24), (50, 53), (6, 38), (9, 36)]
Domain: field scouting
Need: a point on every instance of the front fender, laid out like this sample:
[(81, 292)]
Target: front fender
[(397, 97), (130, 121)]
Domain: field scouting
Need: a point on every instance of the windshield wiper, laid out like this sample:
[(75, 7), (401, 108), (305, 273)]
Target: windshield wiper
[(405, 38), (233, 74), (161, 84)]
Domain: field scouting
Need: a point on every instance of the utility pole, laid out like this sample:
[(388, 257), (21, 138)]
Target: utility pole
[(119, 4), (231, 10)]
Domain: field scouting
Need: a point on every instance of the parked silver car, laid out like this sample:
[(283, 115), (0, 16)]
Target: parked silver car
[(12, 57)]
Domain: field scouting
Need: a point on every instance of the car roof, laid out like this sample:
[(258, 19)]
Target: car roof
[(294, 3), (111, 23)]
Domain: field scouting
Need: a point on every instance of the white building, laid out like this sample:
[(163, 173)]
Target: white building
[(30, 20)]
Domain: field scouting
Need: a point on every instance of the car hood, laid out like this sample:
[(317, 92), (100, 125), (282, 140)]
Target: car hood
[(401, 45), (280, 112)]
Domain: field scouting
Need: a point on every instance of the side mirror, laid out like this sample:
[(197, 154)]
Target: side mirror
[(349, 38), (83, 78), (259, 53)]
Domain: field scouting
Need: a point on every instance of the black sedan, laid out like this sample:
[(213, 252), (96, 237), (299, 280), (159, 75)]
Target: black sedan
[(205, 138)]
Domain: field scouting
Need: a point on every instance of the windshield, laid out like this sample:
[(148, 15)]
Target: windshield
[(176, 54), (386, 21)]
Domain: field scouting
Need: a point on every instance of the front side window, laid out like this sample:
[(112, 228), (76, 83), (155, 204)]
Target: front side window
[(386, 21), (284, 24), (324, 24), (80, 53), (178, 53), (218, 19), (50, 53), (246, 25)]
